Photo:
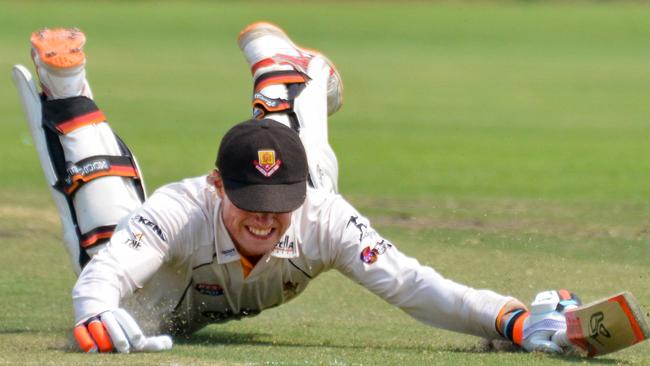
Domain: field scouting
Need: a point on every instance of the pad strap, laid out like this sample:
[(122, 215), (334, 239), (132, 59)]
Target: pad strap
[(295, 82), (96, 236), (263, 105), (85, 170), (285, 77), (66, 115)]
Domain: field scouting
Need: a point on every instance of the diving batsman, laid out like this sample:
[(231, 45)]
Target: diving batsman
[(249, 235)]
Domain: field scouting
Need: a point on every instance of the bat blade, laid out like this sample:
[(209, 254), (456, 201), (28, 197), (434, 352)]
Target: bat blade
[(607, 325)]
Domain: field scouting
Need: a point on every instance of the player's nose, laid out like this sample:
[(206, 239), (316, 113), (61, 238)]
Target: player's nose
[(263, 218)]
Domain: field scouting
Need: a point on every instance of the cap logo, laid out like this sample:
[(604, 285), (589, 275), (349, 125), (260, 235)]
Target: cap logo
[(266, 162)]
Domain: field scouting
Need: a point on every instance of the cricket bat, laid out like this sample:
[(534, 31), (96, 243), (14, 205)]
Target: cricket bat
[(605, 326)]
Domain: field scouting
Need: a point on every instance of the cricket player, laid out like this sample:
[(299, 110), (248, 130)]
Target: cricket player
[(250, 235)]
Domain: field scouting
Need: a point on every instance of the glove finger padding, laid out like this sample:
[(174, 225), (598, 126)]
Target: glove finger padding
[(157, 344), (119, 338), (130, 328), (84, 340), (560, 338), (93, 337), (116, 329), (541, 343)]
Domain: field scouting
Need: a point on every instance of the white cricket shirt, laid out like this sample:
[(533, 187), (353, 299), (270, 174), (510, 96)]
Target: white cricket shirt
[(174, 267)]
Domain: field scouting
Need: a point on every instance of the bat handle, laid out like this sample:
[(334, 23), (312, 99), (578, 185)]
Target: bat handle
[(560, 338)]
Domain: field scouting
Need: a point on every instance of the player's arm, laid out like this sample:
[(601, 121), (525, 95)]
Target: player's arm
[(362, 254), (142, 243)]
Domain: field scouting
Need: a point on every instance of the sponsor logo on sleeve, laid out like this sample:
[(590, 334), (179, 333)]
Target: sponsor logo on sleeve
[(151, 225), (362, 227), (135, 240), (370, 256), (209, 289)]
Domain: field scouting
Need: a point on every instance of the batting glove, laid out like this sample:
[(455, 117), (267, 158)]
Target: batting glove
[(117, 330), (534, 330)]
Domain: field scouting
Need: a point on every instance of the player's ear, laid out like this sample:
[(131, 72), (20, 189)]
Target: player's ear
[(215, 179)]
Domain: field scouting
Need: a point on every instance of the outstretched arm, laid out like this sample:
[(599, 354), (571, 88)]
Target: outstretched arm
[(363, 255)]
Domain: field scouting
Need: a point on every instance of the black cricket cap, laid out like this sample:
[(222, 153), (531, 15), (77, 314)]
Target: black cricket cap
[(263, 166)]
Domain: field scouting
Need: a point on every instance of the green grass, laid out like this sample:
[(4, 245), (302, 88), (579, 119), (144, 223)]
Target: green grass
[(506, 145)]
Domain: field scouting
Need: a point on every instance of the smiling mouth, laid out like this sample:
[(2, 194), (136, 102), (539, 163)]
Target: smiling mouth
[(259, 233)]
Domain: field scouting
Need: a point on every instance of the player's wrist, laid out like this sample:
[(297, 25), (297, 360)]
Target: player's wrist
[(507, 317), (510, 323)]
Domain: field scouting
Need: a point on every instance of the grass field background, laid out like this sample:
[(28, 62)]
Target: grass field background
[(504, 144)]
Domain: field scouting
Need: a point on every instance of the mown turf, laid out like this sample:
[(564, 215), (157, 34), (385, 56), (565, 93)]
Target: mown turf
[(506, 145)]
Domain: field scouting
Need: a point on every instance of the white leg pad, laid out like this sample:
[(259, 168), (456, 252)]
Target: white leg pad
[(94, 197), (310, 109), (99, 203)]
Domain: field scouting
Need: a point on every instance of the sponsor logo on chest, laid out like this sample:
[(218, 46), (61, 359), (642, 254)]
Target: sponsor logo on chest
[(285, 248), (209, 289)]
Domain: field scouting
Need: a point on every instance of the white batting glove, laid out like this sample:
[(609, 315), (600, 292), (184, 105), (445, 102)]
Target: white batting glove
[(546, 321), (117, 330)]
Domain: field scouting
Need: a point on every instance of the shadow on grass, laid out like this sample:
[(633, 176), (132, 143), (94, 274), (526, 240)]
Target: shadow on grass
[(217, 338), (20, 331), (223, 338), (43, 330), (592, 361)]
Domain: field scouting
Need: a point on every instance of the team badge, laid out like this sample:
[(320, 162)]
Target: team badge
[(266, 163), (290, 289)]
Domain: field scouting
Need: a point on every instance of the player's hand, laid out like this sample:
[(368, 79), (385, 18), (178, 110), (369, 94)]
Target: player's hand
[(546, 320), (117, 330)]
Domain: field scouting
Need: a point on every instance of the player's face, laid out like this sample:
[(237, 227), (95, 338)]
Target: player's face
[(254, 233)]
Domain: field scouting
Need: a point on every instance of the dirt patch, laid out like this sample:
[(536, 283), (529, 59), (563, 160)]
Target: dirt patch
[(21, 221), (584, 220), (45, 215), (513, 226)]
